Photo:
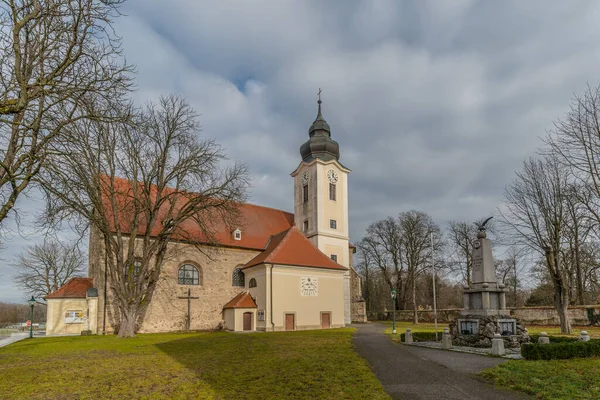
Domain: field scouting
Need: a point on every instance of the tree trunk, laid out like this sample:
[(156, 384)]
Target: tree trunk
[(414, 301), (562, 305), (579, 275), (129, 319)]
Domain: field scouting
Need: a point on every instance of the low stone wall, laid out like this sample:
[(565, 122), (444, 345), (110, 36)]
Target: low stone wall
[(579, 315), (445, 315)]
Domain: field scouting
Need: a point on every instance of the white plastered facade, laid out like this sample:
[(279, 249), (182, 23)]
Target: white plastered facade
[(319, 210)]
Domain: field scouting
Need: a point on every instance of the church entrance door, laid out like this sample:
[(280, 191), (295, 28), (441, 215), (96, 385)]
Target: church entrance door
[(289, 322), (325, 320), (247, 321)]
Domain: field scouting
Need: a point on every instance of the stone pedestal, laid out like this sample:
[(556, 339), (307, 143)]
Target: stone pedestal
[(446, 339), (544, 339), (498, 345), (408, 337), (584, 337)]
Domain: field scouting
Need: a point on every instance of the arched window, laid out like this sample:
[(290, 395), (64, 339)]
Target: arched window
[(189, 275), (252, 283), (237, 278)]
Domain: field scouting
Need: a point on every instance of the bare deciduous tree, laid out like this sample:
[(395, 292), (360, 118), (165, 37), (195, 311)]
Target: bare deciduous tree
[(381, 246), (416, 229), (53, 55), (43, 268), (535, 212), (173, 183)]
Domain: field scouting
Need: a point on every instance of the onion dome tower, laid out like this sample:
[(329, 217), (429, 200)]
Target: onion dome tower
[(320, 144)]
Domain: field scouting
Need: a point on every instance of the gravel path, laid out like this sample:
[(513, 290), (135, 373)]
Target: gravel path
[(413, 372)]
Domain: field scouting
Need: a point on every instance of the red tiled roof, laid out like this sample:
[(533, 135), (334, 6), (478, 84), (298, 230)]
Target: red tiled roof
[(75, 288), (256, 223), (242, 300), (291, 247)]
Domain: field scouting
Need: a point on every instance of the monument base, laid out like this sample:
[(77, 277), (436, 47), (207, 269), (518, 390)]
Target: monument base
[(478, 330)]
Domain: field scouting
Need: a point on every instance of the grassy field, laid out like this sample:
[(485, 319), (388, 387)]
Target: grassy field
[(220, 365), (575, 379)]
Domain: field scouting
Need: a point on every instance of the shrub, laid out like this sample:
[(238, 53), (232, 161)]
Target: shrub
[(560, 351), (421, 336), (555, 339)]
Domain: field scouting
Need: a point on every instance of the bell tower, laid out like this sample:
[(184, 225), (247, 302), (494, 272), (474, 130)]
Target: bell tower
[(321, 196)]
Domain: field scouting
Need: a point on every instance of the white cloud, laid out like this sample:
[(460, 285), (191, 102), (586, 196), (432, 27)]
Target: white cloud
[(434, 104)]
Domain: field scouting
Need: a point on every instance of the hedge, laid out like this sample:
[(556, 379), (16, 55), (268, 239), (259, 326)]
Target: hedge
[(555, 339), (561, 351), (421, 336)]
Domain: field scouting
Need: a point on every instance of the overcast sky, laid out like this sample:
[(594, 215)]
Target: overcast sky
[(434, 104)]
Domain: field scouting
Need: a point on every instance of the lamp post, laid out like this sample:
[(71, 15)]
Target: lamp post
[(31, 304), (394, 307), (434, 297)]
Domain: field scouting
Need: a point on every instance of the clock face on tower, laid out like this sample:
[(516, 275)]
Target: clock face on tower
[(332, 176), (305, 177)]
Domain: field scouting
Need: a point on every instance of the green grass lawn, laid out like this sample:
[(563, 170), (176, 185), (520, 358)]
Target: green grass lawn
[(575, 379), (215, 365)]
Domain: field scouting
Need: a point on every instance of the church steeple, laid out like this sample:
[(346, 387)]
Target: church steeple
[(320, 144)]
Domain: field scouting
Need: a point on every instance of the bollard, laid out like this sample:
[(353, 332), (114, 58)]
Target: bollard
[(498, 345), (584, 337), (544, 339), (408, 338), (446, 339)]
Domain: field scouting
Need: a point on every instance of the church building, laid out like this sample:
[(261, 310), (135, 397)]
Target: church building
[(277, 271)]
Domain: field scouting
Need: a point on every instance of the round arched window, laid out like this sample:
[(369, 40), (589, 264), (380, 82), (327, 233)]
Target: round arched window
[(237, 277), (189, 275), (252, 283)]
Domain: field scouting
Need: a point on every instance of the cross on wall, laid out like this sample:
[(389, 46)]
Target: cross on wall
[(189, 297)]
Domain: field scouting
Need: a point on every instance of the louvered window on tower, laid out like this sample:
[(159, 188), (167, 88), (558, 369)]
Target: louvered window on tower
[(305, 193), (332, 191)]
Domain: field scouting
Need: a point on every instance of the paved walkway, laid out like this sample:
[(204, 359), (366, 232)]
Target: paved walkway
[(410, 372), (14, 338)]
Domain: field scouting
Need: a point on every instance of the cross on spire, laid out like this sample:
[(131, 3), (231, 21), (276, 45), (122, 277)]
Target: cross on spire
[(319, 95)]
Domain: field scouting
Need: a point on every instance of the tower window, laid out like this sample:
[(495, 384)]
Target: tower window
[(332, 191), (306, 226), (333, 224), (334, 257), (305, 193), (237, 234)]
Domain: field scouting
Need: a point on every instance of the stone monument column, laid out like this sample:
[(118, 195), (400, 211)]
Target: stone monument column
[(485, 318)]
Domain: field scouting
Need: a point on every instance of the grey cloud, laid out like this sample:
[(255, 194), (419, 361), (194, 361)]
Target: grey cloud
[(434, 104)]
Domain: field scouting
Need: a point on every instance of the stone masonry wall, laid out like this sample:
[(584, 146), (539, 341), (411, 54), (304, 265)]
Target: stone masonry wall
[(529, 315), (168, 308)]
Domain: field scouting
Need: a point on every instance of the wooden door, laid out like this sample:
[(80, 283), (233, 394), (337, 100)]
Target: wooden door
[(289, 322), (325, 320), (247, 321)]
